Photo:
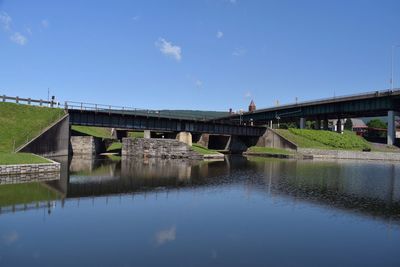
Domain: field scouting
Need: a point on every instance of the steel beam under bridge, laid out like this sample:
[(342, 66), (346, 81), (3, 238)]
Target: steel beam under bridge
[(104, 118)]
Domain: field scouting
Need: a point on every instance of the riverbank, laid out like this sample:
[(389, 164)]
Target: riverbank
[(309, 144)]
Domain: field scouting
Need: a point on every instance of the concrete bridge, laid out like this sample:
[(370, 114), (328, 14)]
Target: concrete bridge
[(371, 104)]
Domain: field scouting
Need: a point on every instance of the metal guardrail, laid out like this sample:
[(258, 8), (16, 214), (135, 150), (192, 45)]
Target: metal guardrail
[(17, 143), (29, 101), (81, 106), (378, 93)]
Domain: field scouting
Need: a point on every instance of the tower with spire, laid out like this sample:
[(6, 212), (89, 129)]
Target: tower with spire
[(252, 106)]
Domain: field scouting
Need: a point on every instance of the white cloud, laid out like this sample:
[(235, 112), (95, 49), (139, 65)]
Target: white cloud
[(135, 18), (239, 52), (28, 30), (5, 21), (166, 235), (219, 34), (232, 1), (18, 38), (198, 83), (45, 23), (167, 48), (247, 94)]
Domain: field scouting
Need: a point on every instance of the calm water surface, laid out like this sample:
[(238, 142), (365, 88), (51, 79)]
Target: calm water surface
[(238, 212)]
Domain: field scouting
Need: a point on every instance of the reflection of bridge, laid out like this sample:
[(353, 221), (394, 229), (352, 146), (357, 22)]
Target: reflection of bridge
[(345, 185)]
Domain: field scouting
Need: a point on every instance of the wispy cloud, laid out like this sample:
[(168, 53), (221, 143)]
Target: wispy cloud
[(18, 38), (219, 34), (169, 49), (198, 83), (239, 52), (165, 235), (248, 94), (136, 18), (28, 30), (5, 21), (45, 23)]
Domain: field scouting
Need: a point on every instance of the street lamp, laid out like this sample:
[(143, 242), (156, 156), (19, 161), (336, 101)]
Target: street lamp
[(392, 68)]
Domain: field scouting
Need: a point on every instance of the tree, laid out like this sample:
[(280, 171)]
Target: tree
[(348, 125), (376, 123)]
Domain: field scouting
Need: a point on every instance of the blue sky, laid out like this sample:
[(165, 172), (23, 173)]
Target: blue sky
[(205, 54)]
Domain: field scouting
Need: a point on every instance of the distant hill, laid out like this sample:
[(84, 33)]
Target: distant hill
[(198, 114)]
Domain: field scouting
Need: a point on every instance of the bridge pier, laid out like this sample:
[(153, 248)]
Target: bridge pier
[(302, 123), (185, 137), (325, 124), (146, 134), (317, 125), (391, 130), (339, 126)]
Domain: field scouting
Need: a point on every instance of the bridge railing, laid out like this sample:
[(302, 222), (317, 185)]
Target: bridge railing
[(29, 101), (81, 106), (377, 93)]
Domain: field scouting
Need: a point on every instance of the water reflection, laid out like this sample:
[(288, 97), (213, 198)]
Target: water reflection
[(241, 211), (372, 188)]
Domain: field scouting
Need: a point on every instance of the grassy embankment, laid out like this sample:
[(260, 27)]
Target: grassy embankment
[(203, 150), (325, 139), (319, 139), (19, 123)]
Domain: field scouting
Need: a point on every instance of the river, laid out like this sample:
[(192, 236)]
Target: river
[(239, 212)]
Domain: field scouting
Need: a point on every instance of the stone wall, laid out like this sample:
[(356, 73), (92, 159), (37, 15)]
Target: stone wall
[(86, 145), (157, 148), (30, 168), (345, 154)]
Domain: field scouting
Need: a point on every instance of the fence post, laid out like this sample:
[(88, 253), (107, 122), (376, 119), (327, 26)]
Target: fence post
[(41, 102), (4, 98), (17, 100), (29, 101)]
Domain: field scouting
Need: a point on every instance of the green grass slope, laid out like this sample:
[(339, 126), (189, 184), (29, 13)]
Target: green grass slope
[(20, 158), (21, 122), (325, 139), (93, 131), (203, 150)]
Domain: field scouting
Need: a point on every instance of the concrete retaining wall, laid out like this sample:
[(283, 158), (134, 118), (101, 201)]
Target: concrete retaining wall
[(344, 154), (272, 139), (157, 148), (52, 142), (86, 145), (30, 168)]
